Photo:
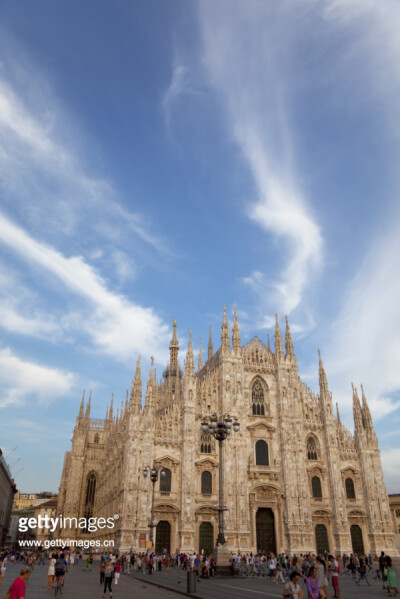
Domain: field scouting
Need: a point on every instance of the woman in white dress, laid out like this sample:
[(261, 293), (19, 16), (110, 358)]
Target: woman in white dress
[(51, 571), (3, 565)]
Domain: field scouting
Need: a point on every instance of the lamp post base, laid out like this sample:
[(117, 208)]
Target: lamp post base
[(221, 556)]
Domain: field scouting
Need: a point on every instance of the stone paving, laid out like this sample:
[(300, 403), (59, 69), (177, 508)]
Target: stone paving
[(170, 585)]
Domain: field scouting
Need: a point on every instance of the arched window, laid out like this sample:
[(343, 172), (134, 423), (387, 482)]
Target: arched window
[(312, 449), (262, 458), (96, 439), (205, 443), (257, 399), (90, 495), (206, 483), (350, 491), (165, 480), (316, 487)]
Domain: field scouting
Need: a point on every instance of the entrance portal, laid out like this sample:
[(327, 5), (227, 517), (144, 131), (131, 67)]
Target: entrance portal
[(206, 538), (321, 537), (357, 539), (163, 537), (265, 530)]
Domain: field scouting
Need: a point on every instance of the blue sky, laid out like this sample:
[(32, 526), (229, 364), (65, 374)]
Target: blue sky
[(161, 159)]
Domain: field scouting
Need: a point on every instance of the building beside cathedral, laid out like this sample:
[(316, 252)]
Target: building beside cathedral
[(296, 480)]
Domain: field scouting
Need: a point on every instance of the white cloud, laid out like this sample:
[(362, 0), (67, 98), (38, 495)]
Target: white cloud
[(116, 326), (21, 379), (246, 65), (390, 462), (46, 165), (365, 339)]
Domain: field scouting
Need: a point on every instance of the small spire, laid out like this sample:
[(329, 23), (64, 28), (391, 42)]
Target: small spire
[(210, 345), (150, 385), (225, 343), (82, 405), (278, 341), (200, 362), (87, 414), (235, 333), (110, 413), (365, 410), (323, 382), (136, 389), (173, 352), (338, 414), (269, 352), (288, 342), (357, 415), (189, 362)]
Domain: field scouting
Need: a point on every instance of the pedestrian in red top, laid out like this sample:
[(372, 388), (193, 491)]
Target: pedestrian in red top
[(17, 590)]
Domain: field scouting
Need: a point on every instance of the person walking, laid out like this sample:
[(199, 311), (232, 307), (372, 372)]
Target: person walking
[(334, 569), (117, 571), (391, 578), (17, 589), (292, 589), (102, 571), (362, 570), (312, 584), (3, 566), (108, 576), (51, 571)]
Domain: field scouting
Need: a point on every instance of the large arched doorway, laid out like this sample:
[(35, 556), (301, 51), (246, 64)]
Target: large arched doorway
[(163, 536), (357, 539), (206, 538), (265, 530), (321, 538)]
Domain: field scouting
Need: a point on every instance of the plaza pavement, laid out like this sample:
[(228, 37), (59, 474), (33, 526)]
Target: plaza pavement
[(170, 584)]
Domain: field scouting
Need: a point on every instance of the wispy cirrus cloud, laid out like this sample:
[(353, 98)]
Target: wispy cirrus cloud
[(248, 68), (116, 326), (44, 155), (23, 379)]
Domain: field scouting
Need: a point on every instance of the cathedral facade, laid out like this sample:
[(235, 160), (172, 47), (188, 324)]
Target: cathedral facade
[(295, 479)]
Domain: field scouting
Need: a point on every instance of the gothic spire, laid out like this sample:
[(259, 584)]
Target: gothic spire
[(338, 414), (82, 405), (210, 346), (323, 382), (365, 410), (150, 386), (269, 352), (189, 362), (288, 342), (278, 341), (110, 413), (225, 343), (357, 415), (235, 333), (173, 351), (87, 414), (136, 390), (200, 362)]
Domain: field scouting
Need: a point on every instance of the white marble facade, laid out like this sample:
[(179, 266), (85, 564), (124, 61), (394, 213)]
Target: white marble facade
[(296, 479)]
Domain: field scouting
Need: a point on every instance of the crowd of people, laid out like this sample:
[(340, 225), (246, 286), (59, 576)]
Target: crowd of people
[(298, 575)]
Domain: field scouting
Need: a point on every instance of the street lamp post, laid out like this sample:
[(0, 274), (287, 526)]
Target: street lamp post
[(154, 478), (220, 429)]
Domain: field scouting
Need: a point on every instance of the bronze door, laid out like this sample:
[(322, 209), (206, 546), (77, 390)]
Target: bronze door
[(206, 538), (265, 530), (357, 539), (321, 537), (163, 537)]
